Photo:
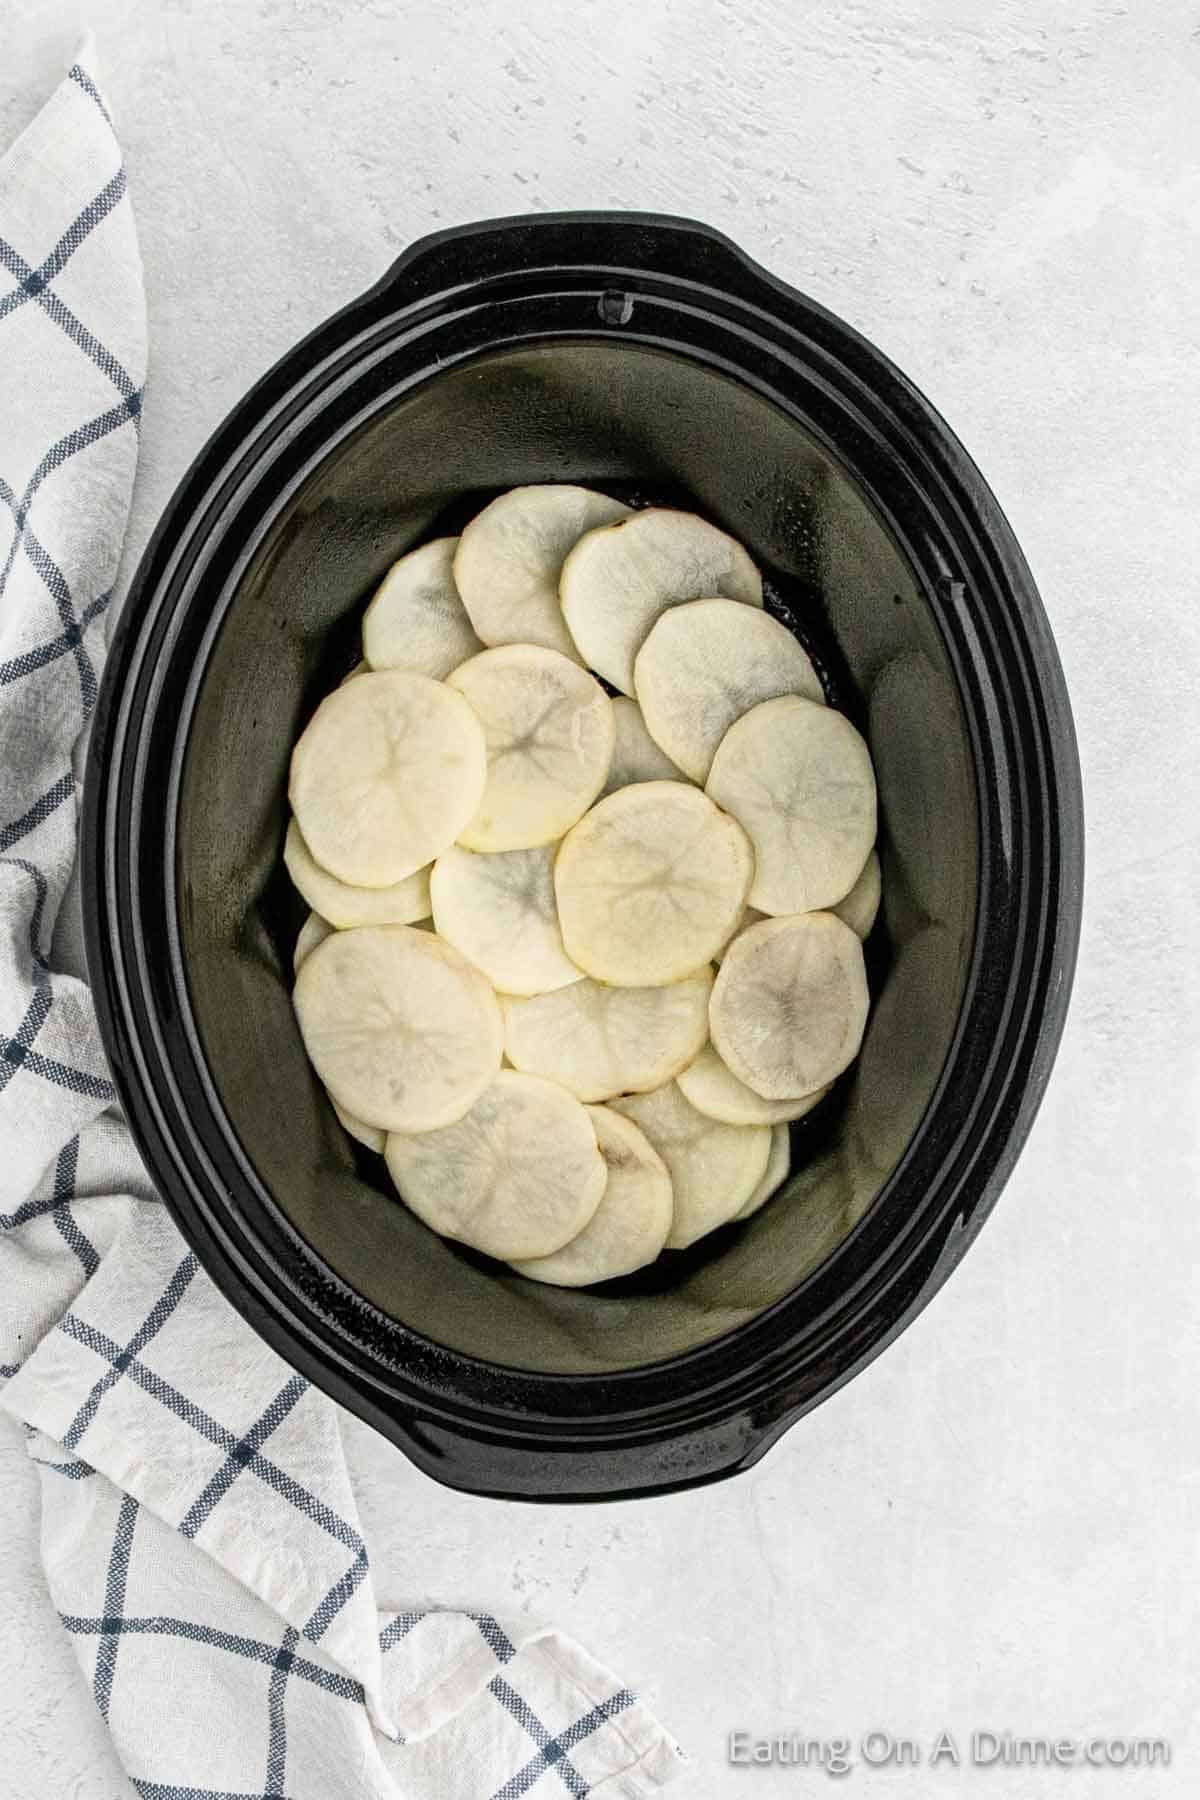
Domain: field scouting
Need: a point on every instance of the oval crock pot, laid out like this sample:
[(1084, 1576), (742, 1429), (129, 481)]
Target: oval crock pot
[(651, 354)]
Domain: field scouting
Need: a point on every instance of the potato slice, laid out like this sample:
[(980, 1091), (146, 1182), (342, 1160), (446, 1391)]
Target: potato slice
[(417, 620), (714, 1168), (789, 1004), (400, 1027), (713, 1088), (860, 908), (779, 1167), (370, 1135), (651, 884), (343, 905), (500, 912), (511, 555), (517, 1177), (387, 772), (362, 667), (798, 777), (704, 665), (314, 931), (636, 756), (599, 1041), (549, 731), (630, 1225), (620, 578)]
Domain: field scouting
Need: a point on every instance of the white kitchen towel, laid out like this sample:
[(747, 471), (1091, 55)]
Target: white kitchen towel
[(199, 1532)]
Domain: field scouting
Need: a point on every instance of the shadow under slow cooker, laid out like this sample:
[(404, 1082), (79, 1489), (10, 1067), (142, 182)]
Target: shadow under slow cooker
[(603, 413)]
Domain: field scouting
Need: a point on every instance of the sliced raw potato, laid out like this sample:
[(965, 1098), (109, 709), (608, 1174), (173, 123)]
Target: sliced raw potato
[(620, 578), (599, 1041), (519, 886), (549, 731), (500, 911), (779, 1166), (798, 777), (360, 668), (789, 1004), (630, 1225), (636, 756), (343, 905), (704, 665), (417, 620), (388, 771), (651, 884), (714, 1168), (713, 1088), (370, 1135), (860, 908), (517, 1177), (314, 931), (403, 1030), (510, 558)]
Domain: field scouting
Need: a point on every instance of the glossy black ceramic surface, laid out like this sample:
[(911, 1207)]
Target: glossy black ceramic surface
[(649, 356)]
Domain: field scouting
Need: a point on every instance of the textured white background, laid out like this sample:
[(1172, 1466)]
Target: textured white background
[(996, 1525)]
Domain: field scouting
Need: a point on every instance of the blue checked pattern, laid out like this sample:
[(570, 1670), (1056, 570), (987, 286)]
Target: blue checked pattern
[(42, 1018), (552, 1750), (64, 1219), (199, 1529), (241, 1452)]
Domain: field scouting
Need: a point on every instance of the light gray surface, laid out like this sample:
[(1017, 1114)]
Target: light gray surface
[(995, 1526)]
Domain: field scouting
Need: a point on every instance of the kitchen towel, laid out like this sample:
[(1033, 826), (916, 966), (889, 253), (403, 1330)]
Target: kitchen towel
[(199, 1532)]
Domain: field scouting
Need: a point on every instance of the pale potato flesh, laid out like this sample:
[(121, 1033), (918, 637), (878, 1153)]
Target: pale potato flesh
[(314, 931), (517, 1177), (599, 1041), (713, 1088), (417, 620), (387, 773), (549, 729), (651, 884), (798, 777), (404, 1032), (500, 911), (789, 1004), (714, 1168), (704, 665), (511, 555), (371, 1135), (779, 1166), (619, 579), (860, 908), (343, 905), (630, 1225), (636, 756)]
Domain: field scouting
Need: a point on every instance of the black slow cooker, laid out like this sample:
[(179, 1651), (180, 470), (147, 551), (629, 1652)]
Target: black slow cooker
[(648, 355)]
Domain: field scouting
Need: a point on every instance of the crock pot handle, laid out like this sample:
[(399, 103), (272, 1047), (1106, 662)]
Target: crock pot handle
[(615, 245)]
